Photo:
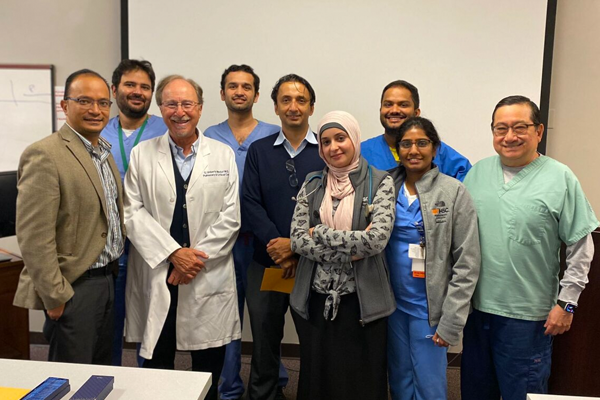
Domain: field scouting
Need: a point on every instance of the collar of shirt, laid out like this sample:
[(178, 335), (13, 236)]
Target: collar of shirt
[(103, 149), (310, 137), (178, 151)]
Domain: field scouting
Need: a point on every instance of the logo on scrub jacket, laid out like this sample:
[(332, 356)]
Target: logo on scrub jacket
[(440, 212)]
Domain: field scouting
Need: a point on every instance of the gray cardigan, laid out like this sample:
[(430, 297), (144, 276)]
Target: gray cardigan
[(373, 286), (452, 256)]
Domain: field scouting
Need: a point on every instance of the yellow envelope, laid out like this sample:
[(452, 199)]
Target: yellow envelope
[(272, 281), (7, 393)]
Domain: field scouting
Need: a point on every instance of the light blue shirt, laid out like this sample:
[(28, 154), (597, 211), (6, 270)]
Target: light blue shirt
[(185, 164), (309, 138)]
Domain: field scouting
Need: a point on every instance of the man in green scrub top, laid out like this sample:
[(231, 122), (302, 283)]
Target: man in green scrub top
[(527, 204)]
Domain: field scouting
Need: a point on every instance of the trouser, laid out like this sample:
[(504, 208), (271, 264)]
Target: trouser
[(84, 332), (267, 318), (505, 357), (163, 356), (416, 366), (232, 386), (120, 283)]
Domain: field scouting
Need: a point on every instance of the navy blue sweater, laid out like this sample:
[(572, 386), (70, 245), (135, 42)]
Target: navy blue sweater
[(267, 205)]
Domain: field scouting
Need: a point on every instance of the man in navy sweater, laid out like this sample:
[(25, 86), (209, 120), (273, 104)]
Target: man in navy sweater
[(276, 167)]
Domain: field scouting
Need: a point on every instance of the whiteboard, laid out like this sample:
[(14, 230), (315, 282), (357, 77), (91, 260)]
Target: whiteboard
[(27, 104), (463, 56)]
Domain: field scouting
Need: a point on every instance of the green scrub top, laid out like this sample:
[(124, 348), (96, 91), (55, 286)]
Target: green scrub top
[(521, 226)]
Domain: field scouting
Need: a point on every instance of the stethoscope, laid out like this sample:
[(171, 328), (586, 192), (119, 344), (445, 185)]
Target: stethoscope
[(368, 206)]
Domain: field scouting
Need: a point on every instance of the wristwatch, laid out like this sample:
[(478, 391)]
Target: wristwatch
[(568, 307)]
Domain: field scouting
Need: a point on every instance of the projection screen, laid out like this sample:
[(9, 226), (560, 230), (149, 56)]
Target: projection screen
[(463, 56)]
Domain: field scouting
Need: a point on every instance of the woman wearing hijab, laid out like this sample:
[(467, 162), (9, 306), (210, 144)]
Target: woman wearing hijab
[(342, 294), (434, 261)]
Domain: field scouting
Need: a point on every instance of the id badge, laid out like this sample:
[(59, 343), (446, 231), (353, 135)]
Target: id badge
[(417, 255)]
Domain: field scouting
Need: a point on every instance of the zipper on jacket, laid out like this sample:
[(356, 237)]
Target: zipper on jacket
[(423, 215)]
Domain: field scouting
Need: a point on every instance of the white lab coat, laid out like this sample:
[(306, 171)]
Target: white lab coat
[(207, 310)]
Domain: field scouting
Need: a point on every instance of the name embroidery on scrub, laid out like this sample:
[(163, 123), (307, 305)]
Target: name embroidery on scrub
[(208, 174)]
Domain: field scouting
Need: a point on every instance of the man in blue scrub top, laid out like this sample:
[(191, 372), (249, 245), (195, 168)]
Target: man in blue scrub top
[(240, 91), (399, 101), (132, 87), (527, 205)]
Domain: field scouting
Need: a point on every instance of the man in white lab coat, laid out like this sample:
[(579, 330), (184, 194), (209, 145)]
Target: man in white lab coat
[(182, 215)]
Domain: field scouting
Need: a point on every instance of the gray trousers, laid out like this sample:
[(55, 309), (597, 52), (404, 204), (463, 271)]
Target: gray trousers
[(84, 333)]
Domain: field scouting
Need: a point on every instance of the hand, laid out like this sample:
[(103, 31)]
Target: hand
[(279, 249), (177, 278), (188, 262), (558, 322), (310, 231), (438, 341), (56, 313), (289, 267)]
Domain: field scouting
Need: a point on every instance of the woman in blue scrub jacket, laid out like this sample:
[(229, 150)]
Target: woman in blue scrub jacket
[(434, 260)]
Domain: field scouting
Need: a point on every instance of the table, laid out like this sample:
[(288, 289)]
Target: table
[(14, 321), (130, 383)]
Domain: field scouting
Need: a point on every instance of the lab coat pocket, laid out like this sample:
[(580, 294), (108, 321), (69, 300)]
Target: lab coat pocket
[(526, 224), (213, 196)]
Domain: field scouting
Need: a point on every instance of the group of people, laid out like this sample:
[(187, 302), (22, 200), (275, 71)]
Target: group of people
[(149, 224)]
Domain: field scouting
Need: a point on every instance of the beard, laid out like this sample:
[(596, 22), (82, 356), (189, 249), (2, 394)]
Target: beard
[(128, 110), (393, 131), (240, 108)]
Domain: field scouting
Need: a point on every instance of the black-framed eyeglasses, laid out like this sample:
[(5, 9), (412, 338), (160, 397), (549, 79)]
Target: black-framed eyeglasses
[(518, 129), (86, 102), (421, 143), (291, 168)]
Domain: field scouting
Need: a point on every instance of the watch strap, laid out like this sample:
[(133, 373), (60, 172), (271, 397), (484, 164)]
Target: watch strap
[(568, 307)]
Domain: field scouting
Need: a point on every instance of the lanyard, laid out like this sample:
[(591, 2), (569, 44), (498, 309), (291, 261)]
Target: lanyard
[(421, 229), (122, 146)]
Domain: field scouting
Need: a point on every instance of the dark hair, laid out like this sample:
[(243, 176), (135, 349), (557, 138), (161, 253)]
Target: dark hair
[(414, 92), (126, 66), (168, 79), (421, 123), (293, 78), (536, 116), (79, 73), (244, 68)]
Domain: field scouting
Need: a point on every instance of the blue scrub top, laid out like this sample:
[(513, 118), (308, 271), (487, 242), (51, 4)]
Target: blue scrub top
[(154, 128), (449, 161), (410, 292)]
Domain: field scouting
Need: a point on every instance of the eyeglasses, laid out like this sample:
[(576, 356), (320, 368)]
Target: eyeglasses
[(421, 143), (291, 168), (518, 129), (187, 105), (86, 102)]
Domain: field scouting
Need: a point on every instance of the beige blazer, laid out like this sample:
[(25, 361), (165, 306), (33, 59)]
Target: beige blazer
[(61, 218)]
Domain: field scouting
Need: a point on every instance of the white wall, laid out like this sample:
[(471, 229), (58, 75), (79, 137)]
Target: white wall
[(574, 137), (71, 34)]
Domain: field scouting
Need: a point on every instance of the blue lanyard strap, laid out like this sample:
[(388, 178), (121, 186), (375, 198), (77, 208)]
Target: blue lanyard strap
[(421, 229)]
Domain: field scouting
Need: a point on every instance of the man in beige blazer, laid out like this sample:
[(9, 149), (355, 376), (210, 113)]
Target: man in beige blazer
[(70, 226)]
